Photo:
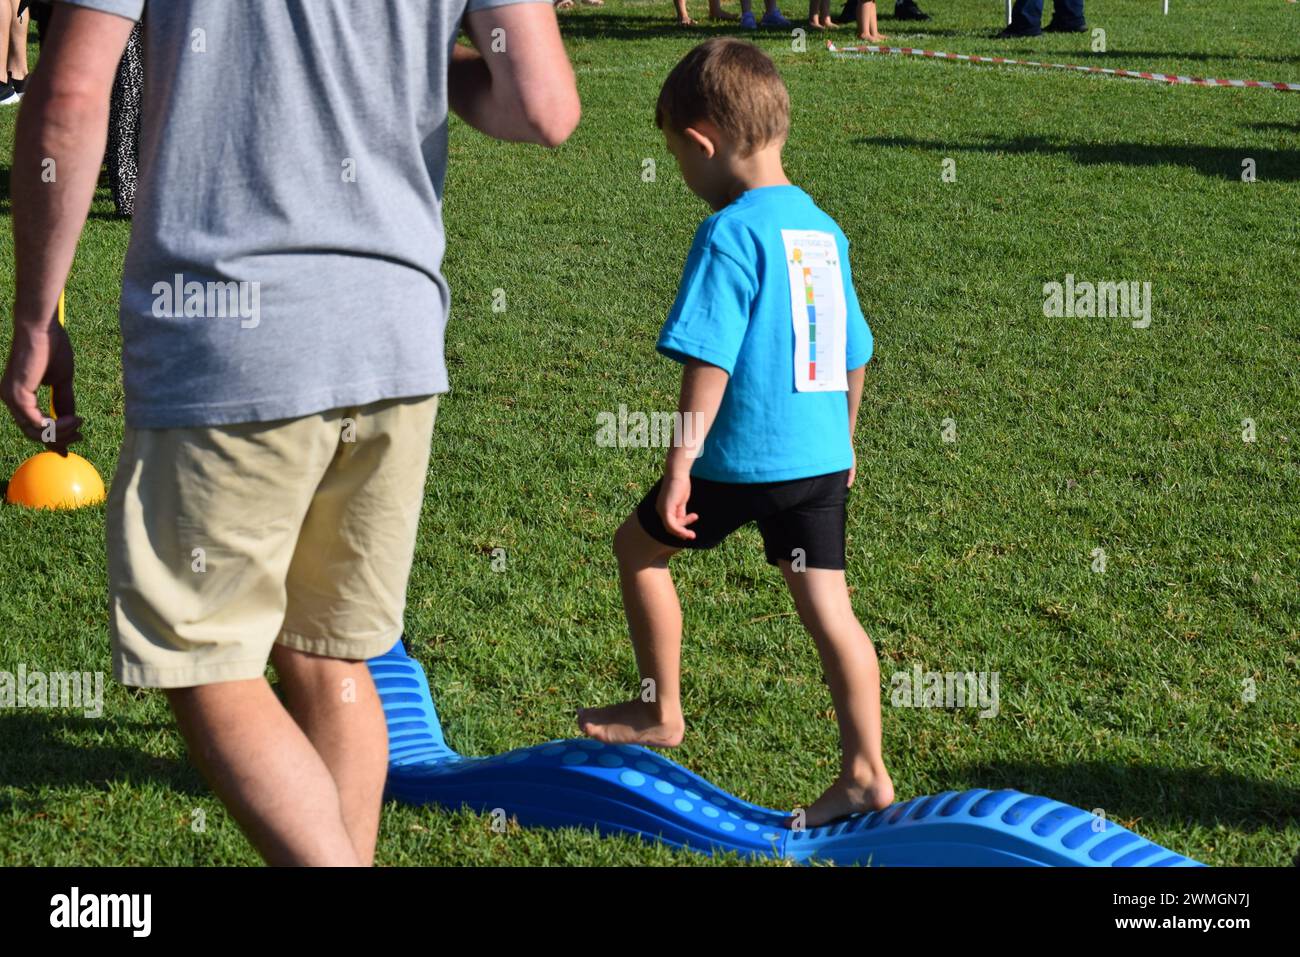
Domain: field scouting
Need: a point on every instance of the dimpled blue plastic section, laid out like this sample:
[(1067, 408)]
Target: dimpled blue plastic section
[(627, 789)]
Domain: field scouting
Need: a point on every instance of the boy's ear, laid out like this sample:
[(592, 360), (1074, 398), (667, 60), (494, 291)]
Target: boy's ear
[(700, 140)]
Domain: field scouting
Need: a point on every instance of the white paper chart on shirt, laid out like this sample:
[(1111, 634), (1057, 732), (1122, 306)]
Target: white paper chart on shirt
[(819, 311)]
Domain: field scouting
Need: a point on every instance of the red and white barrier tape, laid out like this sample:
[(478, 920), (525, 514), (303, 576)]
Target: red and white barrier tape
[(1132, 74)]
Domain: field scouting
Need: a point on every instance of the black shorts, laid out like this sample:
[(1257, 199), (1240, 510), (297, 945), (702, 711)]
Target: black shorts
[(800, 518)]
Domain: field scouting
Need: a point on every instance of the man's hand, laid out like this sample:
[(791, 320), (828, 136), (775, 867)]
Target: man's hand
[(37, 357), (674, 493)]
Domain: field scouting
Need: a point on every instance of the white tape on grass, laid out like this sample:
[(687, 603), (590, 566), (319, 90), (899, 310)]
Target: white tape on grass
[(1167, 78)]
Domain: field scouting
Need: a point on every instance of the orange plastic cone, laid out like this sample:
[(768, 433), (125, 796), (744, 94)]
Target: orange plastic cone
[(51, 480)]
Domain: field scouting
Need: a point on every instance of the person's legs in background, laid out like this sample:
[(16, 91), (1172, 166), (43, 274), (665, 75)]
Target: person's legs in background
[(1067, 17), (903, 10), (867, 28), (17, 66), (1026, 20), (908, 10), (8, 25), (773, 18)]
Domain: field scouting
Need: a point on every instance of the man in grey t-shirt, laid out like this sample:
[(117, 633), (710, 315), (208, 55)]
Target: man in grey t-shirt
[(282, 317)]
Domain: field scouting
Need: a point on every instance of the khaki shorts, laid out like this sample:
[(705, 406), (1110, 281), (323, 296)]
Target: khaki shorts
[(226, 540)]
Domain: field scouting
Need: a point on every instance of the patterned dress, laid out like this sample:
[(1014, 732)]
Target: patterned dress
[(123, 151)]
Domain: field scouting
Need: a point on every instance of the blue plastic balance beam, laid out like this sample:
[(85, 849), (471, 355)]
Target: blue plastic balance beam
[(628, 789)]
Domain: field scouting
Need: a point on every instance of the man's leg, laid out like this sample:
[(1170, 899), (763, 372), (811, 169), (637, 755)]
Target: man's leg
[(265, 771), (346, 594), (853, 673), (336, 705), (201, 526), (654, 619)]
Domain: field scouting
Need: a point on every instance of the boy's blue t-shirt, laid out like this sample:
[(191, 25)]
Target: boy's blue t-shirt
[(733, 310)]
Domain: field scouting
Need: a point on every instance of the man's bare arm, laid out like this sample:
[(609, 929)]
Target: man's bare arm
[(517, 83), (58, 150)]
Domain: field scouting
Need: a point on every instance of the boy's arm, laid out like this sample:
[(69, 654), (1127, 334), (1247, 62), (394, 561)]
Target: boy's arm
[(517, 84), (701, 395), (856, 378)]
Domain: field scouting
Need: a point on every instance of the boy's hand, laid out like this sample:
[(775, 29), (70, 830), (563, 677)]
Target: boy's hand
[(853, 469), (674, 493)]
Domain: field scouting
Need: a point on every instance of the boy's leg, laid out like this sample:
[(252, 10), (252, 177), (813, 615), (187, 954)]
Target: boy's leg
[(822, 597), (654, 619), (265, 771), (336, 705)]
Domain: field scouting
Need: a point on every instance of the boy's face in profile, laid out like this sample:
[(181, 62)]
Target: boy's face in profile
[(696, 149), (711, 165)]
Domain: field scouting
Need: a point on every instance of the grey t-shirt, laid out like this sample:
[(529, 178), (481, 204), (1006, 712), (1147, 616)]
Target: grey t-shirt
[(287, 244)]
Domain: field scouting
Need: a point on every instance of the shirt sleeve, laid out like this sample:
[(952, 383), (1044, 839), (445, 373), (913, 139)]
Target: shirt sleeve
[(709, 319), (858, 339), (131, 9)]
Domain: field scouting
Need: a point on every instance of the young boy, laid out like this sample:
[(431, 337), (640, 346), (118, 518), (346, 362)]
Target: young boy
[(774, 346)]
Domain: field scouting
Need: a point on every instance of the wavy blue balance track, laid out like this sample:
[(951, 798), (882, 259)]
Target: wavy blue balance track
[(629, 789)]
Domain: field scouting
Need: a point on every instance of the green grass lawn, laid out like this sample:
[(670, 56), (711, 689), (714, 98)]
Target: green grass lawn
[(1120, 690)]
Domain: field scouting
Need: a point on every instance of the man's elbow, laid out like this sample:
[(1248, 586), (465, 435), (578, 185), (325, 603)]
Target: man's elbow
[(553, 121), (65, 104)]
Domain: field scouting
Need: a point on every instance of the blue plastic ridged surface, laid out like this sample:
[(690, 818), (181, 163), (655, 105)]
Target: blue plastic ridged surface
[(628, 789)]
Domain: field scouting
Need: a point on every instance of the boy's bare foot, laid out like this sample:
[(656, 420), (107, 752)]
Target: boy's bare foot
[(685, 22), (720, 14), (815, 23), (632, 722), (852, 795)]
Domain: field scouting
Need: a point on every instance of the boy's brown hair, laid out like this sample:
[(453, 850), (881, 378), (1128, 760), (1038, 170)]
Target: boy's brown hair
[(734, 85)]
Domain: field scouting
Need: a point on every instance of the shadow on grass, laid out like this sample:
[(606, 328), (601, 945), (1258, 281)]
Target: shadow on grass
[(1220, 162), (1276, 127), (1137, 793), (48, 750)]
